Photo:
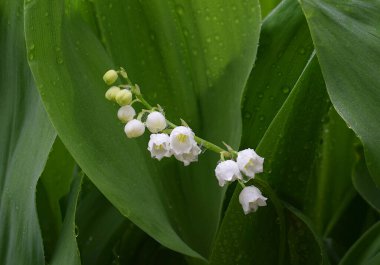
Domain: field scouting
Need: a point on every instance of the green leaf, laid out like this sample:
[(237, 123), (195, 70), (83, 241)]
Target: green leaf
[(267, 6), (288, 168), (365, 251), (364, 184), (285, 48), (67, 251), (354, 86), (305, 246), (26, 137), (331, 190), (53, 184), (178, 207)]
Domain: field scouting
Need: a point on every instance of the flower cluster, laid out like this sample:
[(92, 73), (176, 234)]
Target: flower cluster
[(178, 141), (168, 139), (247, 164)]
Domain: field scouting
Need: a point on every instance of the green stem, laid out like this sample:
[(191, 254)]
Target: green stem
[(203, 142)]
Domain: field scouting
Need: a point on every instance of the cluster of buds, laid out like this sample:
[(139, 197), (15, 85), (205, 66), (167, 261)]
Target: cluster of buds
[(164, 142), (168, 140)]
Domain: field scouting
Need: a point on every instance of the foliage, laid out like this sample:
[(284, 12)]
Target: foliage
[(295, 80)]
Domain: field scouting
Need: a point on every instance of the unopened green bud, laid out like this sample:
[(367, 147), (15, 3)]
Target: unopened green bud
[(112, 92), (110, 77), (124, 97)]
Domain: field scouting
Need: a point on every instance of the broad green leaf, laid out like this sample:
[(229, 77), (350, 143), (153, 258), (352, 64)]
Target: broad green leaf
[(52, 186), (101, 228), (66, 251), (343, 31), (288, 168), (285, 47), (178, 207), (305, 246), (26, 137), (365, 251), (331, 190), (267, 6), (364, 184)]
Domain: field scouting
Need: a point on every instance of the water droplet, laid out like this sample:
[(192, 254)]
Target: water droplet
[(247, 115), (180, 10), (110, 5), (285, 90), (31, 56), (46, 14), (261, 95), (31, 47), (237, 21), (302, 51), (208, 40), (60, 60), (261, 118), (217, 37), (195, 52)]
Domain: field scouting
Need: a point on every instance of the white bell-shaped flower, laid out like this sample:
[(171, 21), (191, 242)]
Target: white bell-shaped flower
[(134, 128), (249, 162), (251, 198), (182, 140), (155, 122), (189, 157), (227, 171), (126, 113), (159, 145)]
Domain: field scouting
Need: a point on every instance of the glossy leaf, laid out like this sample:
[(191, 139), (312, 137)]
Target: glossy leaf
[(52, 186), (365, 250), (26, 137), (331, 190), (66, 251), (285, 47), (288, 168), (341, 31), (179, 208), (364, 184)]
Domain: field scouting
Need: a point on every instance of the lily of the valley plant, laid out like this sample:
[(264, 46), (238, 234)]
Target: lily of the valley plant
[(168, 139)]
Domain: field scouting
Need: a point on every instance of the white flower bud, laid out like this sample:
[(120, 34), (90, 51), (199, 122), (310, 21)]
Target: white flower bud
[(155, 122), (249, 162), (126, 113), (182, 140), (112, 92), (227, 171), (110, 77), (134, 128), (124, 97), (191, 156), (251, 198), (159, 146)]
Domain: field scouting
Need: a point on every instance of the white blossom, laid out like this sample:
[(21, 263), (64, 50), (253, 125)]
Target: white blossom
[(182, 141), (110, 77), (249, 162), (126, 113), (191, 156), (251, 198), (227, 171), (134, 128), (155, 122), (159, 145)]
